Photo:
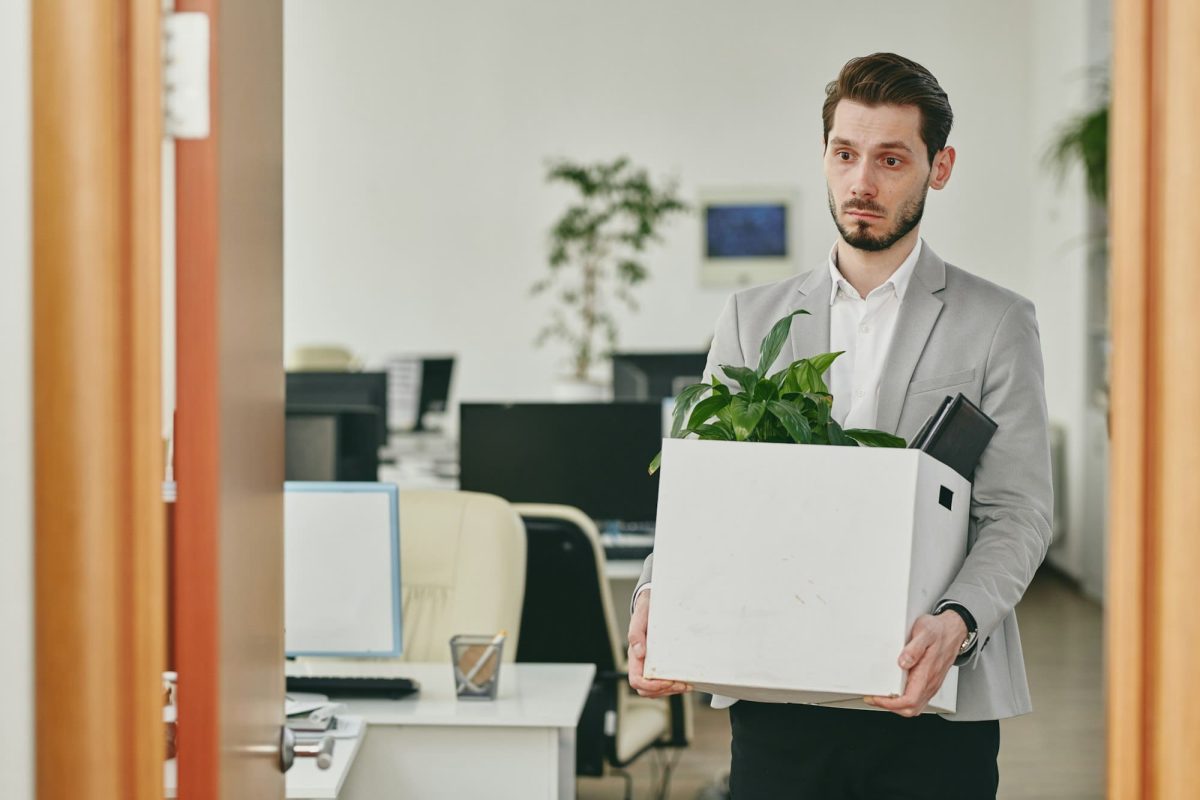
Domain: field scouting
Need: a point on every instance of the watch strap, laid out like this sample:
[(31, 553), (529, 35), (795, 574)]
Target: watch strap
[(971, 642)]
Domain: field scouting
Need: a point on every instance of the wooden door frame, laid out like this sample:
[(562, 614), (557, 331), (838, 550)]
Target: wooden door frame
[(98, 557), (1153, 634)]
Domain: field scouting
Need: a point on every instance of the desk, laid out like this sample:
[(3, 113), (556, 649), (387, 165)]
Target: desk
[(432, 745), (304, 781)]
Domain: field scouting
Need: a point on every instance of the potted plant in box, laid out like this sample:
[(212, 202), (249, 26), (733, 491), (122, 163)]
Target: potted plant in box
[(791, 405)]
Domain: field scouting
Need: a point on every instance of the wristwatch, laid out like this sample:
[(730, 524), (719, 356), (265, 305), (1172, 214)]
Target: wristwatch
[(968, 645)]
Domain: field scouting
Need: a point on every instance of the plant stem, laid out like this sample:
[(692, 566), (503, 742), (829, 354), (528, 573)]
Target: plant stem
[(583, 359)]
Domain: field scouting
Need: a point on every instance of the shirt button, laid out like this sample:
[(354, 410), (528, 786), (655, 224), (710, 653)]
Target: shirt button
[(859, 393), (864, 329)]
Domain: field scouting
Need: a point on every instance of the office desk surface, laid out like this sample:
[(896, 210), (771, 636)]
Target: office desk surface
[(304, 781), (530, 695), (520, 746)]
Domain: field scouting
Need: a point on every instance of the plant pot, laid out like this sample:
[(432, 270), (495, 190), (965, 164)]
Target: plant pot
[(574, 390)]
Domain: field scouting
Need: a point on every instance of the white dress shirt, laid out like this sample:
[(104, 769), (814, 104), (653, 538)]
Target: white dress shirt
[(862, 327)]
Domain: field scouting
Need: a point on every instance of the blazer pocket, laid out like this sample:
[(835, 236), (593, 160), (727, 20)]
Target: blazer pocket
[(941, 381)]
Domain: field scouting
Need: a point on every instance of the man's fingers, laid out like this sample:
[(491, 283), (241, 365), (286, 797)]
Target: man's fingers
[(915, 649)]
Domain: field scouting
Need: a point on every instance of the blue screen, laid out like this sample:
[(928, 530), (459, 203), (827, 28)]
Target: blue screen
[(745, 231)]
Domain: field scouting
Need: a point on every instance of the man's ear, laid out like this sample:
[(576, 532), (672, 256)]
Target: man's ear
[(943, 165)]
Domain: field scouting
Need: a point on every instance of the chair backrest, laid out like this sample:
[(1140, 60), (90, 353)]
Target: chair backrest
[(462, 570), (567, 615)]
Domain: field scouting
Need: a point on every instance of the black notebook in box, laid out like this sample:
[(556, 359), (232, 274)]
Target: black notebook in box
[(956, 435)]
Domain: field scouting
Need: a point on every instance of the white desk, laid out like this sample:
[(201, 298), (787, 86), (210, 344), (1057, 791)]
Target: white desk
[(304, 781), (432, 745)]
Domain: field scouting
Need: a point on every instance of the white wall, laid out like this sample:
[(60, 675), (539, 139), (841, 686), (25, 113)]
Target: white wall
[(416, 134), (1063, 86), (16, 483)]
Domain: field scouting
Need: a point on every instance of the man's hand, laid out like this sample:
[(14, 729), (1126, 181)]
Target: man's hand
[(928, 656), (637, 654)]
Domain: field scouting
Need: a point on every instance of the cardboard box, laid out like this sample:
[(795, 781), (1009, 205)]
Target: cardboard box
[(794, 573)]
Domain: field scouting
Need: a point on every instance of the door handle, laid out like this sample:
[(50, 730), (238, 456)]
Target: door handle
[(289, 751)]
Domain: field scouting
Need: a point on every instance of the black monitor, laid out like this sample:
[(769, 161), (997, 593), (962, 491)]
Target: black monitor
[(330, 443), (312, 392), (655, 376), (435, 388), (589, 455)]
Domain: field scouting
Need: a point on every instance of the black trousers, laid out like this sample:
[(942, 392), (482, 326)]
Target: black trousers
[(798, 752)]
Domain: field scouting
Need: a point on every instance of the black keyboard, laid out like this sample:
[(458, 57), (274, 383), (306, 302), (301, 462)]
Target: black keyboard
[(340, 686), (627, 552)]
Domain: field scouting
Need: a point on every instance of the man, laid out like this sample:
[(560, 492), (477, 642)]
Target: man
[(913, 329)]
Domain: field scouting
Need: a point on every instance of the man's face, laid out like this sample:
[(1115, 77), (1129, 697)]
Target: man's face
[(877, 172)]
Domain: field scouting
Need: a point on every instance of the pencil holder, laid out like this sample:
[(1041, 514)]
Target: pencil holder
[(476, 662)]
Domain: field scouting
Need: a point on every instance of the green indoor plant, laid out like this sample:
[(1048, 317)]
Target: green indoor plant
[(1084, 139), (792, 405), (597, 248)]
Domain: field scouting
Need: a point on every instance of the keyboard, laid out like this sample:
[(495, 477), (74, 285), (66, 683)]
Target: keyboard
[(627, 545), (357, 686)]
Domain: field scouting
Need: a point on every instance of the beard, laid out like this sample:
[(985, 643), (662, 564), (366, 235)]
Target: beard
[(860, 237)]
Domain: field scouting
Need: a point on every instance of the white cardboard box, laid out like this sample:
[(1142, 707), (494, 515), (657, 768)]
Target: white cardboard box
[(794, 573)]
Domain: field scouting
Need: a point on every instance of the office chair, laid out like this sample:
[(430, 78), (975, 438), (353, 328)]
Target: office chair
[(462, 570), (322, 358), (568, 618)]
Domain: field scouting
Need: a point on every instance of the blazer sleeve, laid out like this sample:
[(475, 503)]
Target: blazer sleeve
[(1012, 494), (726, 349)]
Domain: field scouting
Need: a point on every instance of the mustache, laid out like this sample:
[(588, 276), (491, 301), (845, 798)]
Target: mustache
[(868, 206)]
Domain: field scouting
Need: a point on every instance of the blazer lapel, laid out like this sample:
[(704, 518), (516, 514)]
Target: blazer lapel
[(809, 334), (918, 313)]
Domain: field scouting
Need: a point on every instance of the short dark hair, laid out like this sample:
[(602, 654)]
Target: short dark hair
[(889, 79)]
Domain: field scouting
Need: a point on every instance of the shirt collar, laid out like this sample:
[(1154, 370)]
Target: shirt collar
[(899, 280)]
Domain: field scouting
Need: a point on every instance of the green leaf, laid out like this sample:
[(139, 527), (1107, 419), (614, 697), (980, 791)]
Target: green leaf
[(719, 431), (765, 390), (706, 409), (810, 378), (837, 436), (778, 380), (823, 362), (872, 438), (745, 417), (793, 420), (655, 464), (822, 404), (746, 377), (805, 376), (684, 402), (773, 342)]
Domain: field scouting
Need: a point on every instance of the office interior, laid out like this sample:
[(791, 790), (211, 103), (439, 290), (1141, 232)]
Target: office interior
[(416, 139)]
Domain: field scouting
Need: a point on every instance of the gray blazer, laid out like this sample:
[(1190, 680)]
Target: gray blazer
[(955, 333)]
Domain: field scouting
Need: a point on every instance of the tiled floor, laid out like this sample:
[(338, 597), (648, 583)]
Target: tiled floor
[(1056, 753)]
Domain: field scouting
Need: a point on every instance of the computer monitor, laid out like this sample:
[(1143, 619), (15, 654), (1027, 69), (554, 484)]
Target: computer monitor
[(331, 443), (311, 447), (655, 376), (315, 391), (589, 455), (341, 562), (435, 388)]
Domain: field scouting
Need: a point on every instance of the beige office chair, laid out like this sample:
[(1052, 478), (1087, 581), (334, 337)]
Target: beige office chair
[(462, 570), (322, 358), (568, 617)]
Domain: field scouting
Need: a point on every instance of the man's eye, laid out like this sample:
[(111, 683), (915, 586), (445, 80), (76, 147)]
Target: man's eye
[(844, 156), (892, 161)]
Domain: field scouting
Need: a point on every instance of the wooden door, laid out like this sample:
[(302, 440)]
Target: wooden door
[(97, 453), (228, 568), (1153, 636)]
